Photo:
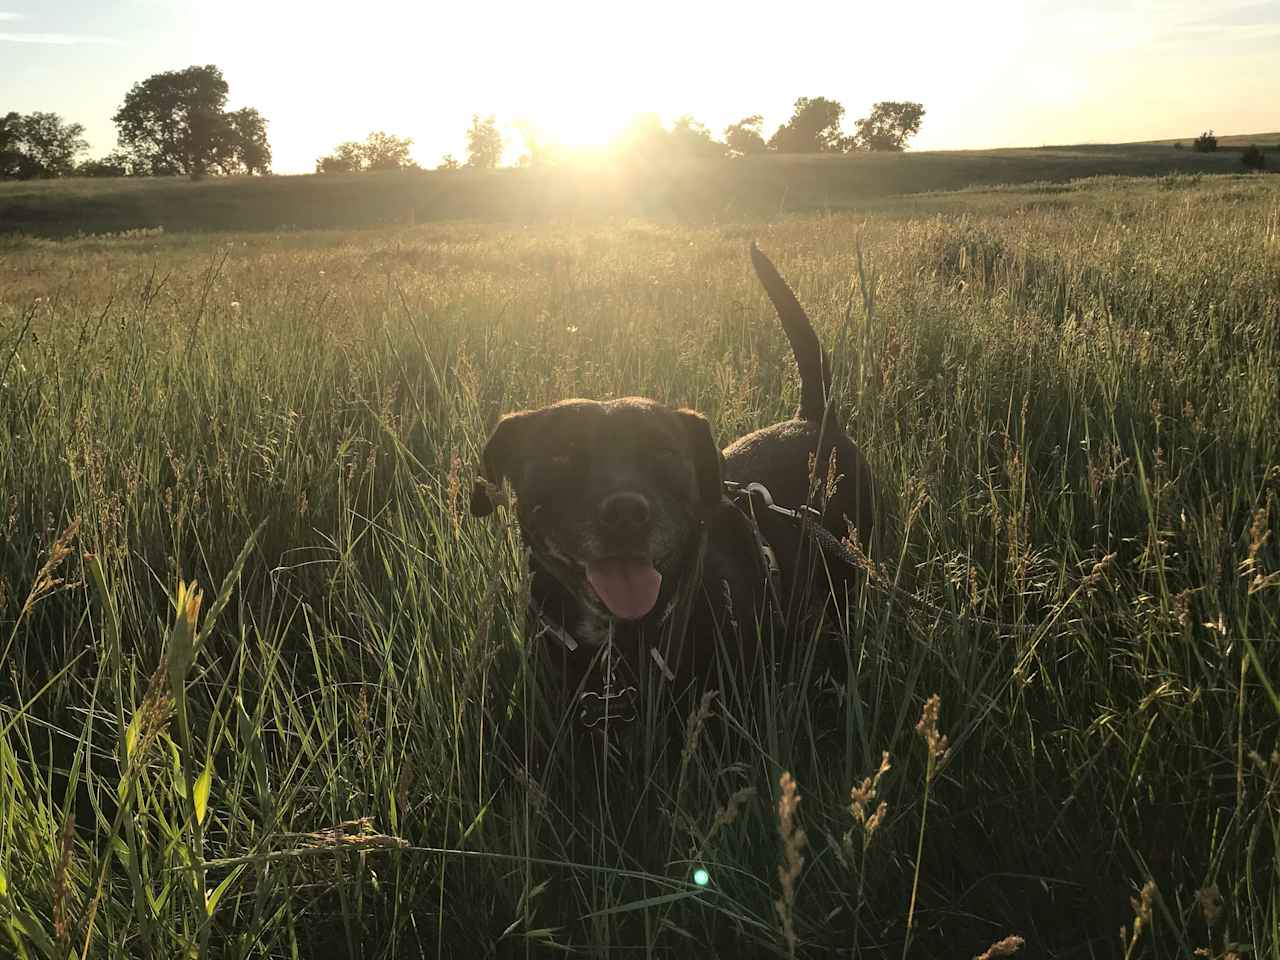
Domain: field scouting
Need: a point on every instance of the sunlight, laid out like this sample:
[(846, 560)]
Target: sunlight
[(575, 74), (570, 73), (571, 127)]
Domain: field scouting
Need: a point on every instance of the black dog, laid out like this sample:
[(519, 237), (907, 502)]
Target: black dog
[(641, 565)]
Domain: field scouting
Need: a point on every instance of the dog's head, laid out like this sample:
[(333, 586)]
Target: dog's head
[(609, 495)]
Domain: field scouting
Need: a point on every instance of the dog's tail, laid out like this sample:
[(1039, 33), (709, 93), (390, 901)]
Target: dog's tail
[(815, 368)]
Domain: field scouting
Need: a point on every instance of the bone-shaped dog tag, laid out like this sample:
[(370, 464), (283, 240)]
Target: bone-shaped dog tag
[(616, 707)]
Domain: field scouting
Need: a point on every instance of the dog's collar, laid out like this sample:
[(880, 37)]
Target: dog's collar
[(615, 700)]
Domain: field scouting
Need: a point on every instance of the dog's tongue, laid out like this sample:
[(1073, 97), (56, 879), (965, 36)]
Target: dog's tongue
[(629, 588)]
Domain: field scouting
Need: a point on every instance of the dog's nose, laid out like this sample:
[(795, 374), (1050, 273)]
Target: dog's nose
[(624, 513)]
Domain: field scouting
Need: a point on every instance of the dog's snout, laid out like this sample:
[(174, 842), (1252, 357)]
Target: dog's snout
[(624, 513)]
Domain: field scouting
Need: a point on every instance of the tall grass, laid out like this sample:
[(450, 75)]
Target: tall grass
[(1072, 395)]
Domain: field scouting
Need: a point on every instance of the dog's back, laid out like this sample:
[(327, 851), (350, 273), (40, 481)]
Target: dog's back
[(809, 459)]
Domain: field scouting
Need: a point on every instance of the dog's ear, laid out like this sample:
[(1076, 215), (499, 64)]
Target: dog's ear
[(501, 456), (706, 457)]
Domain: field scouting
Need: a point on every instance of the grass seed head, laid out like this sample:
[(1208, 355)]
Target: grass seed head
[(927, 728), (62, 879), (862, 796), (47, 581), (793, 843), (1002, 948), (1210, 903)]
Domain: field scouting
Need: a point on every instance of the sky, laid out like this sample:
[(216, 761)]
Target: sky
[(989, 74)]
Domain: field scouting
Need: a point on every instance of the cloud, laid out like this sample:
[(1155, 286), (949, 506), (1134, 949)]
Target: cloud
[(56, 39)]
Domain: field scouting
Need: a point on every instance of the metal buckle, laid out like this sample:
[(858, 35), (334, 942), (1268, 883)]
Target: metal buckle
[(593, 708), (763, 492)]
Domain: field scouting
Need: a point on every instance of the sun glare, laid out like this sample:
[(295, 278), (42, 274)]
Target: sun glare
[(572, 75), (575, 129)]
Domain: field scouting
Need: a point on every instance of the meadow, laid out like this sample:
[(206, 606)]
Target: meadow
[(336, 745), (652, 187)]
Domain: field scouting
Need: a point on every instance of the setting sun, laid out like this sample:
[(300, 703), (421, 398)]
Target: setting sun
[(577, 72)]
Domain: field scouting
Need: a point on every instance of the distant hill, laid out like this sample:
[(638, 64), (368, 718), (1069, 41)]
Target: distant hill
[(664, 189), (1232, 141)]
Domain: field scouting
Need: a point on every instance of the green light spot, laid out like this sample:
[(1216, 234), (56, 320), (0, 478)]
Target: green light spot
[(701, 877)]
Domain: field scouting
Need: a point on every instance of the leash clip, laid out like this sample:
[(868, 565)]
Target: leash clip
[(805, 512)]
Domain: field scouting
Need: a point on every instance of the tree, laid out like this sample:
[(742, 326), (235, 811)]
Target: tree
[(247, 134), (39, 145), (888, 127), (380, 151), (484, 143), (114, 164), (384, 151), (814, 127), (14, 162), (539, 150), (176, 122), (10, 158), (347, 157), (447, 162), (1253, 158), (1205, 143), (691, 139), (643, 138), (745, 137)]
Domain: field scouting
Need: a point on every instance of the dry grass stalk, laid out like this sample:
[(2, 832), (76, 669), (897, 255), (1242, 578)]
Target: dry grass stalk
[(62, 880), (793, 842), (1002, 948), (927, 728), (1210, 904), (862, 796), (697, 720), (47, 581), (1141, 905)]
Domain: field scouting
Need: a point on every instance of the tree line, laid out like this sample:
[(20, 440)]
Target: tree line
[(815, 127), (171, 124), (176, 124)]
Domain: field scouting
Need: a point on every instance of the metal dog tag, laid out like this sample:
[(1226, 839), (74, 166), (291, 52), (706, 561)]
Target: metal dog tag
[(607, 706)]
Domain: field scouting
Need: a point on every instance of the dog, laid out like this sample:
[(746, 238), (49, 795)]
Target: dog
[(643, 569)]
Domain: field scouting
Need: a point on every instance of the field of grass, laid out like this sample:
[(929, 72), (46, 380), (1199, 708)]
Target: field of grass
[(1072, 393), (666, 189)]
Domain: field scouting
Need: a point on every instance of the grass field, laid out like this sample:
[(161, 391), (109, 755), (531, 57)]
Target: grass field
[(665, 189), (1072, 393)]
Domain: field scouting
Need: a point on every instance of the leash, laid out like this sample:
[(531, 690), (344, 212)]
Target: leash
[(833, 548)]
